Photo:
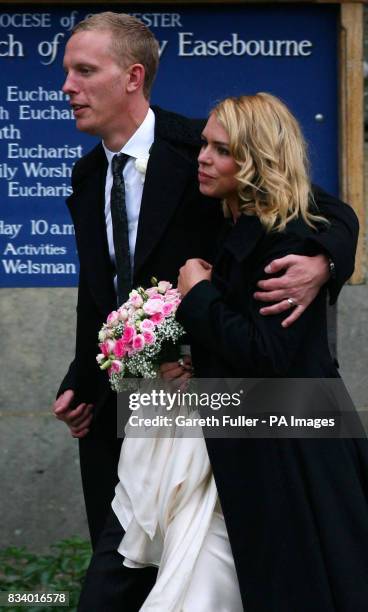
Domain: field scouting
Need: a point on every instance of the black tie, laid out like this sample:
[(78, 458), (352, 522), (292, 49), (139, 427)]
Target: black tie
[(120, 227)]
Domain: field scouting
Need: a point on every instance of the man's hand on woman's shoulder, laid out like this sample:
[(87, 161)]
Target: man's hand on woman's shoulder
[(296, 289)]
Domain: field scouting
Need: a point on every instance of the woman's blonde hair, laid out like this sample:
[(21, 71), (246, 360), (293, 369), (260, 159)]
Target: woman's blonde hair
[(266, 142)]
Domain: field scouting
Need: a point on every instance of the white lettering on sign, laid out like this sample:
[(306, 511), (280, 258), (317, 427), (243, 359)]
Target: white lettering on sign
[(189, 47), (159, 20), (33, 249), (12, 266), (14, 94), (41, 227), (10, 132), (162, 46), (26, 112), (41, 171), (10, 229), (16, 190), (4, 114), (11, 47), (7, 172), (15, 151), (25, 20)]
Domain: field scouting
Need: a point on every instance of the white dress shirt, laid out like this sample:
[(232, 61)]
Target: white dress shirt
[(137, 147)]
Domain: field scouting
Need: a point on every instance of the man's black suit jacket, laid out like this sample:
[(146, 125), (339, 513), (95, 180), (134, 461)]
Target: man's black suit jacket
[(176, 222)]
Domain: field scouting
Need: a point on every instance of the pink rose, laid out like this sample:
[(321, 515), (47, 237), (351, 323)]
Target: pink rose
[(115, 367), (146, 325), (153, 305), (120, 349), (129, 333), (170, 298), (151, 291), (107, 347), (149, 337), (138, 342), (157, 318), (123, 314), (168, 308), (100, 358), (113, 318), (136, 300), (155, 295)]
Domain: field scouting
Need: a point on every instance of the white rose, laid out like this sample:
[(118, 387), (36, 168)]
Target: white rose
[(163, 286), (141, 165)]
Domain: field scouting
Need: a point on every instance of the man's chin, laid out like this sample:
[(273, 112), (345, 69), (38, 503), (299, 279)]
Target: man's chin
[(84, 126)]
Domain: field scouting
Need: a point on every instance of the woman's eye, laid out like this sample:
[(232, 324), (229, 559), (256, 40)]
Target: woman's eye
[(223, 151)]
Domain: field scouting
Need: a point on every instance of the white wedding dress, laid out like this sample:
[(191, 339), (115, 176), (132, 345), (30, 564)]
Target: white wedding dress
[(166, 501)]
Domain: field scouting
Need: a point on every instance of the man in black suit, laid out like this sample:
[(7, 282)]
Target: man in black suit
[(110, 63)]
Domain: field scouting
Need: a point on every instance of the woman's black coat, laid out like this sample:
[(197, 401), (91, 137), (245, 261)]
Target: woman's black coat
[(296, 509)]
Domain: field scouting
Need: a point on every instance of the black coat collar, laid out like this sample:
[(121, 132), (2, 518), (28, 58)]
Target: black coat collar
[(244, 236)]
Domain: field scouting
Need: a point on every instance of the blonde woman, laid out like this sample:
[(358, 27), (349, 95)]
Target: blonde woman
[(222, 525), (296, 510)]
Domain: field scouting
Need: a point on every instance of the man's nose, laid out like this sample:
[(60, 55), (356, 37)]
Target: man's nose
[(70, 85)]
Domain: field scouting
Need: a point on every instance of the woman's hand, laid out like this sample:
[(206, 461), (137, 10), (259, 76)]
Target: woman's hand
[(193, 272), (177, 373)]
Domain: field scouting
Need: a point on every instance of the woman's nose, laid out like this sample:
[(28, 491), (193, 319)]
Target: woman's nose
[(204, 156)]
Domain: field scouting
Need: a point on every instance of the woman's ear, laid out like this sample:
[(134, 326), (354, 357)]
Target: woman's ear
[(135, 74)]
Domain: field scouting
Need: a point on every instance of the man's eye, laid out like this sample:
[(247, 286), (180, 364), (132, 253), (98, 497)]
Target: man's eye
[(85, 70)]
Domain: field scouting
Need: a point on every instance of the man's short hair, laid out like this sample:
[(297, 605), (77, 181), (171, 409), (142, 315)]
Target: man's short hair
[(132, 42)]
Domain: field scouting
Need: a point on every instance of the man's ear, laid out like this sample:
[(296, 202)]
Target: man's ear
[(135, 76)]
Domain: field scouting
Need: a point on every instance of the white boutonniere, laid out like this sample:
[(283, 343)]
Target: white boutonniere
[(141, 165)]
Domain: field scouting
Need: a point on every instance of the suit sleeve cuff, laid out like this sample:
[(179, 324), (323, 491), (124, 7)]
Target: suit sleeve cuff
[(321, 244)]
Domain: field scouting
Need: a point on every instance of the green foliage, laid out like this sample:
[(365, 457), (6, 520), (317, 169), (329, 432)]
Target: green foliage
[(62, 570)]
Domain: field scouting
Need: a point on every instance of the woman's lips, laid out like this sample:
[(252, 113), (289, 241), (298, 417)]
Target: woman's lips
[(203, 177)]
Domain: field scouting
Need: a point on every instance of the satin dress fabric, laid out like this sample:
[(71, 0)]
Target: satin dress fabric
[(166, 501)]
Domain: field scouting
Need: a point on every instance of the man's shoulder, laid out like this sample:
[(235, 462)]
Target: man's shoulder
[(89, 163), (177, 129)]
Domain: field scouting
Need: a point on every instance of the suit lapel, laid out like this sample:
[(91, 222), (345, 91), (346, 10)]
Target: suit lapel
[(87, 209), (167, 175)]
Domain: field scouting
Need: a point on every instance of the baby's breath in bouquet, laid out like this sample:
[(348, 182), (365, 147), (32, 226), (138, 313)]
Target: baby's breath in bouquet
[(136, 336)]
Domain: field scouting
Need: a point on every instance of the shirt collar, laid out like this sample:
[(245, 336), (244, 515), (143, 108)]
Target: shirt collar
[(140, 142)]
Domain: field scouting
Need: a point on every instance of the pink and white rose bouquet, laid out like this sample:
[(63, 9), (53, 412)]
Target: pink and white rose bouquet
[(133, 339)]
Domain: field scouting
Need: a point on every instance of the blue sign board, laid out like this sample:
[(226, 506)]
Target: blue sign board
[(206, 54)]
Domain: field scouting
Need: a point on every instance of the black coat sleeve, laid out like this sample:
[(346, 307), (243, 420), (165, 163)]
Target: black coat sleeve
[(83, 370), (339, 240), (69, 380), (247, 340)]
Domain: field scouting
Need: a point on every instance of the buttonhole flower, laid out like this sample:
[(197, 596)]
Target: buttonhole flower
[(141, 165)]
